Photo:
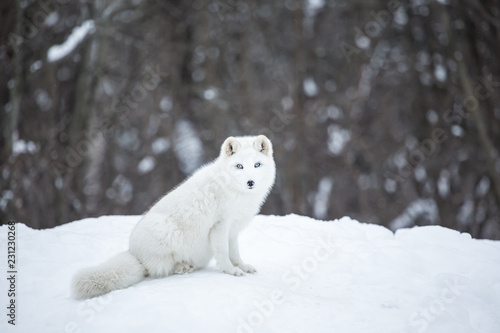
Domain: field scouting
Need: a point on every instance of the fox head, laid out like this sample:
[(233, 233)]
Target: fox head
[(249, 163)]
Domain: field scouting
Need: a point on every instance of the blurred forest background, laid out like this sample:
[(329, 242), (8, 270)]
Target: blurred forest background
[(385, 111)]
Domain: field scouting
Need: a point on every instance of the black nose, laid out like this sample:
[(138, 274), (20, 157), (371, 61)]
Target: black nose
[(250, 183)]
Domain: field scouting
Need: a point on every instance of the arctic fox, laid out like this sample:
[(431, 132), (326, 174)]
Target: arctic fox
[(198, 220)]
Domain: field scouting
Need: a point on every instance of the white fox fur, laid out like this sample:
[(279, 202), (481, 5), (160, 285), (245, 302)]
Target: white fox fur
[(198, 220)]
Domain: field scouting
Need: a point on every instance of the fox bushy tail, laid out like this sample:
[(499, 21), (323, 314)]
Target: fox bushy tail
[(121, 271)]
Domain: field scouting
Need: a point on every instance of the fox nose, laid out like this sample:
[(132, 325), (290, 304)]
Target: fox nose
[(250, 183)]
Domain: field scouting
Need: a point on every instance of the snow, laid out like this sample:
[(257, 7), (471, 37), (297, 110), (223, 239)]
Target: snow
[(337, 139), (334, 112), (287, 102), (122, 189), (400, 16), (363, 42), (483, 186), (440, 73), (43, 100), (314, 6), (432, 117), (457, 130), (314, 276), (51, 19), (322, 197), (310, 87), (419, 208), (146, 164), (20, 146), (36, 66), (160, 145), (465, 214), (23, 147), (166, 104), (443, 183), (188, 146), (210, 94), (57, 52)]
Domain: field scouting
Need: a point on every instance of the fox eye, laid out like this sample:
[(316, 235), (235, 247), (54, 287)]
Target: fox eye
[(257, 165), (239, 166)]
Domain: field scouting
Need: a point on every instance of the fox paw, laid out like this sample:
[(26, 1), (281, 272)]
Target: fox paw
[(183, 268), (247, 268), (236, 271)]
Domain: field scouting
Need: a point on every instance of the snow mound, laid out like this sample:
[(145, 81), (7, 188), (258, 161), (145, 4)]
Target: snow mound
[(314, 276)]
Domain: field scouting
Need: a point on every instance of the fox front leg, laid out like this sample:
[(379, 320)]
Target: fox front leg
[(234, 255), (220, 247)]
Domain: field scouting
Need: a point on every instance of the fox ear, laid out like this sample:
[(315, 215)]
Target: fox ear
[(230, 146), (263, 145)]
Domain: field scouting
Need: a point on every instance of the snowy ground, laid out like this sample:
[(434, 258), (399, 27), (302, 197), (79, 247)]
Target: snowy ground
[(340, 276)]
